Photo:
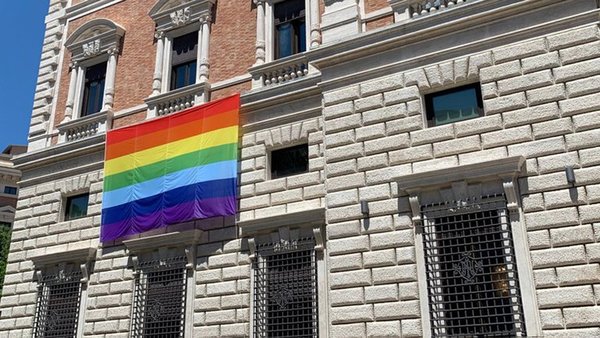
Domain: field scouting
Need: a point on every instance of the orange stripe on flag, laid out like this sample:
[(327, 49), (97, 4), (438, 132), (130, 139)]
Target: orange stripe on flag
[(170, 121), (179, 132)]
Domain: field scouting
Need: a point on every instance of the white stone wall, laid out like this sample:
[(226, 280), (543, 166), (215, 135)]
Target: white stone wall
[(541, 101), (45, 90), (261, 196)]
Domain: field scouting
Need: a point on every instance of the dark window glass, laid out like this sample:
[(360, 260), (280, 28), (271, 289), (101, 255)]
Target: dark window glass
[(183, 60), (289, 161), (285, 290), (454, 105), (290, 28), (471, 270), (93, 90), (10, 190), (76, 206)]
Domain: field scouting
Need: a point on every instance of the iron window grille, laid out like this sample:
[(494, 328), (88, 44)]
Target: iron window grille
[(159, 298), (57, 305), (472, 278), (285, 290)]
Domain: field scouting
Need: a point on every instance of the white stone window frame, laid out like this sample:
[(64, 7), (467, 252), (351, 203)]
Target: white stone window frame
[(265, 28), (501, 177), (164, 246), (94, 42), (174, 19), (82, 257), (283, 229)]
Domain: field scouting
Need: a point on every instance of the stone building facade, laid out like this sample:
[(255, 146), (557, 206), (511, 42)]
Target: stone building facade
[(405, 221), (9, 177)]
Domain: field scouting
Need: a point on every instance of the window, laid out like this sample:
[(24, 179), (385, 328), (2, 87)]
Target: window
[(160, 294), (76, 206), (94, 48), (285, 290), (57, 307), (10, 190), (183, 59), (289, 161), (471, 269), (454, 105), (290, 28), (93, 89)]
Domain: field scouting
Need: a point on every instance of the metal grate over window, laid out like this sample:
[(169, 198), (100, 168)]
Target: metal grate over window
[(285, 290), (471, 269), (57, 306), (159, 299)]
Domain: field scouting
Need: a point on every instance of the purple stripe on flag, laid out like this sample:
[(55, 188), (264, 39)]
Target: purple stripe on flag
[(206, 208)]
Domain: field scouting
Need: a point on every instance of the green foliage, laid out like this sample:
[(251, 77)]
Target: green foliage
[(5, 231)]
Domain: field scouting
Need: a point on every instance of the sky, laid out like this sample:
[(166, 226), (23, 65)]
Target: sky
[(22, 24)]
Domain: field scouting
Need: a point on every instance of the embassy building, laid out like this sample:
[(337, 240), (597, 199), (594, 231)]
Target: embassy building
[(397, 168)]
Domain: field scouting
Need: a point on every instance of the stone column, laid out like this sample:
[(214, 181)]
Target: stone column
[(203, 49), (158, 66), (315, 24), (260, 32), (109, 87), (340, 20), (71, 95)]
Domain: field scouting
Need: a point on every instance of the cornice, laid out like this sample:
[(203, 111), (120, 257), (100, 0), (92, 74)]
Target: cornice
[(263, 225), (74, 256), (508, 167), (410, 33), (59, 152)]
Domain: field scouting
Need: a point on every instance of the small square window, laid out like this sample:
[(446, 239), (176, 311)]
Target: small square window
[(76, 206), (10, 190), (289, 161), (290, 28), (453, 105)]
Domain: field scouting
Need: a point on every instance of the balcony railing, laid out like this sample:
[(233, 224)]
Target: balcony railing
[(84, 127), (408, 9), (176, 100), (280, 71)]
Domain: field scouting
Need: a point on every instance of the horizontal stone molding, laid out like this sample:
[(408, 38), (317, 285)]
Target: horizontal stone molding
[(267, 224), (508, 167), (173, 240), (73, 256)]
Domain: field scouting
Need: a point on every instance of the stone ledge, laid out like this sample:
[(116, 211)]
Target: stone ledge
[(77, 255), (504, 167), (172, 239), (308, 217)]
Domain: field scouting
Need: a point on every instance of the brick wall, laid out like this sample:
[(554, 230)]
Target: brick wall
[(135, 66)]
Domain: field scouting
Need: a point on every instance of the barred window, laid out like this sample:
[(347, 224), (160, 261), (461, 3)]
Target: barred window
[(57, 308), (471, 270), (285, 290), (159, 304)]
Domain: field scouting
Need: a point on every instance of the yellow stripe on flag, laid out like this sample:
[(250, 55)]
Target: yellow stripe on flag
[(170, 150)]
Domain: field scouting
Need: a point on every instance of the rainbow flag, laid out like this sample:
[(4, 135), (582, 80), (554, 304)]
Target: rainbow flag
[(170, 170)]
